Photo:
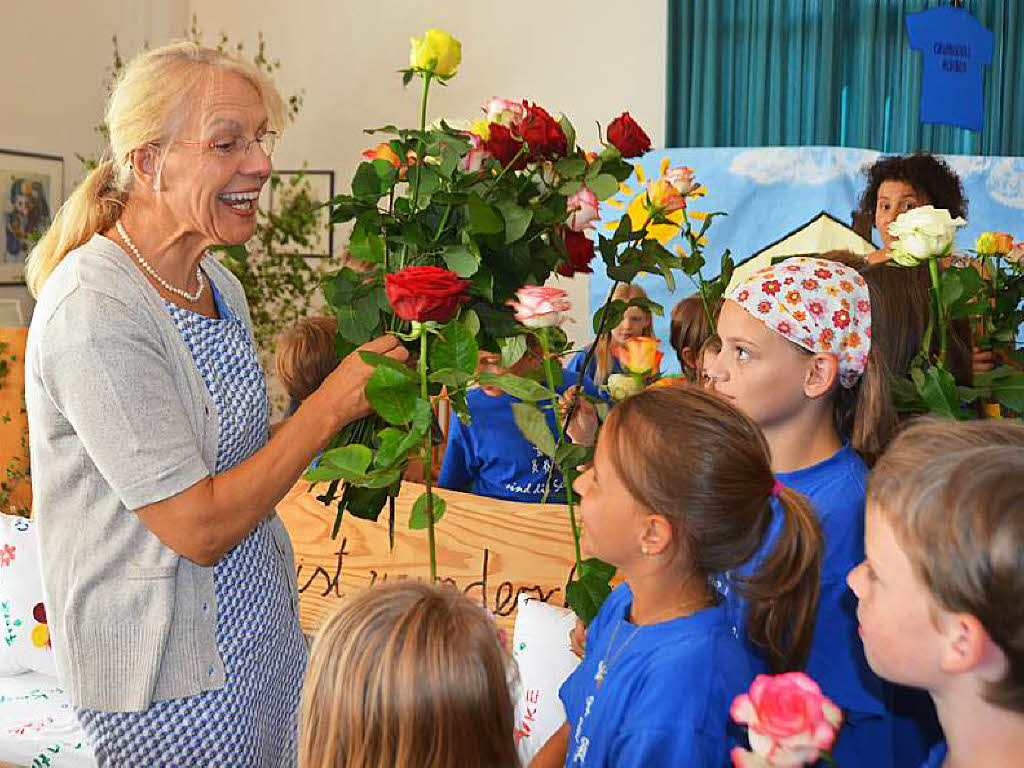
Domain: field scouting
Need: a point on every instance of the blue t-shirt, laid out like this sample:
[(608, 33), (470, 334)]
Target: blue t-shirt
[(666, 692), (954, 47), (936, 757), (491, 457), (576, 364), (835, 487)]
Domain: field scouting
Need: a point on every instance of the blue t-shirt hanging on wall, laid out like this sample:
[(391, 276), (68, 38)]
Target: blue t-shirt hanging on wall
[(954, 47)]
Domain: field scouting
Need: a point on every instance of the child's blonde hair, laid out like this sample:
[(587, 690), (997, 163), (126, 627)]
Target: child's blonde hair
[(149, 105), (603, 351), (409, 675), (954, 495), (306, 355)]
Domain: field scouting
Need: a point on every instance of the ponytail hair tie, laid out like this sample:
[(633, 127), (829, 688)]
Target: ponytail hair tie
[(777, 489)]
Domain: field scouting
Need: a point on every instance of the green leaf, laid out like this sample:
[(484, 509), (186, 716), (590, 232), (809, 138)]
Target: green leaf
[(461, 260), (455, 347), (418, 518), (351, 460), (603, 185), (517, 386), (366, 246), (586, 595), (319, 474), (1008, 387), (569, 188), (534, 426), (451, 378), (375, 359), (570, 456), (512, 349), (571, 166), (569, 131), (598, 569), (614, 311), (366, 184), (483, 219), (381, 478), (517, 220), (392, 394), (471, 320), (938, 390)]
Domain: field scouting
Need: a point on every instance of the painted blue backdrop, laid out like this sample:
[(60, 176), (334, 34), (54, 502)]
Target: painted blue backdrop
[(770, 191)]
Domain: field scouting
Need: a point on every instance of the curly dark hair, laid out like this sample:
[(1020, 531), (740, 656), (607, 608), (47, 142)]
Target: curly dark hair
[(924, 172)]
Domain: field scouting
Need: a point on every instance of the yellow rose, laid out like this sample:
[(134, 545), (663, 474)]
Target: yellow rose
[(640, 355), (986, 243), (437, 50)]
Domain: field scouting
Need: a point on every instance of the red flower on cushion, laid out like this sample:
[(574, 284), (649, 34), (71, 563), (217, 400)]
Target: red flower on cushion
[(425, 293), (627, 136), (742, 295), (809, 284), (504, 146), (771, 287), (816, 308), (793, 297), (580, 249), (764, 307), (841, 318), (542, 133), (824, 274)]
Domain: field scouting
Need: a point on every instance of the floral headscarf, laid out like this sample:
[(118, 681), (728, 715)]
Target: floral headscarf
[(822, 306)]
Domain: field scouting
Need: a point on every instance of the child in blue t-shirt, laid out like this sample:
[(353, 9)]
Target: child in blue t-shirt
[(797, 356), (490, 456), (940, 587), (635, 322), (681, 488)]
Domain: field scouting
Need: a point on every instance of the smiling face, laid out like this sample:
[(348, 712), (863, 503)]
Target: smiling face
[(208, 190), (895, 609), (762, 373), (894, 198)]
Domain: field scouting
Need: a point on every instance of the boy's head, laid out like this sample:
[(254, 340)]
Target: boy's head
[(306, 355), (940, 587)]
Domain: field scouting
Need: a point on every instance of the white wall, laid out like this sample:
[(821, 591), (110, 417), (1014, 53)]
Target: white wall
[(589, 59)]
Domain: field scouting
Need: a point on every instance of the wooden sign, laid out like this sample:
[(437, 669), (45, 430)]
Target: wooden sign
[(491, 550)]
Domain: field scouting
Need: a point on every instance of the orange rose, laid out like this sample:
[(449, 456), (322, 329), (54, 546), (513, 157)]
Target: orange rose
[(640, 355)]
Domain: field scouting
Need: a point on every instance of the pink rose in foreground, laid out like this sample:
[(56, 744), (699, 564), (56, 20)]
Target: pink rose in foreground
[(789, 721), (539, 306), (505, 112), (582, 207), (473, 160)]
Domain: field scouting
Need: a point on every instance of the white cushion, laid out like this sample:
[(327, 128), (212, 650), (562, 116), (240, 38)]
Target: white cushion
[(540, 645), (24, 634)]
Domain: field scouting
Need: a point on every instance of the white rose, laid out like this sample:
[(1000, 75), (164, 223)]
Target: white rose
[(923, 233), (622, 385)]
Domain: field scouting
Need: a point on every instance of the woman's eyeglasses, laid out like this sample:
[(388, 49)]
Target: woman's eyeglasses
[(236, 146)]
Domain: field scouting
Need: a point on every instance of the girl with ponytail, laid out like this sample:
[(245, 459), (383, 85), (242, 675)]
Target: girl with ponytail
[(800, 358), (681, 489)]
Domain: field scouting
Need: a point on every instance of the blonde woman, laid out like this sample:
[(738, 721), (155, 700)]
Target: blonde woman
[(407, 675), (635, 322), (170, 582)]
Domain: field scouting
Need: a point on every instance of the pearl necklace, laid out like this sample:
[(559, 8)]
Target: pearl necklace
[(190, 297)]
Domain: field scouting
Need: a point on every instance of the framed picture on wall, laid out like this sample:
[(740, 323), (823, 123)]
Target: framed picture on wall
[(31, 191), (297, 197)]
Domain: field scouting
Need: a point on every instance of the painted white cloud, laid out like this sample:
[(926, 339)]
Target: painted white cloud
[(967, 165), (799, 165), (1006, 182)]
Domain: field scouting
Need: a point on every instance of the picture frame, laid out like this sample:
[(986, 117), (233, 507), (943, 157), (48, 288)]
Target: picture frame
[(31, 191), (318, 187)]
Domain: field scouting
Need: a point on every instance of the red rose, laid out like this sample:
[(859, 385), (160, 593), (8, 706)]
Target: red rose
[(581, 253), (542, 133), (425, 293), (626, 136), (504, 146)]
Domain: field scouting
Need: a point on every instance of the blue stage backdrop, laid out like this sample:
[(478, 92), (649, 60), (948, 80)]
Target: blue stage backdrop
[(770, 193)]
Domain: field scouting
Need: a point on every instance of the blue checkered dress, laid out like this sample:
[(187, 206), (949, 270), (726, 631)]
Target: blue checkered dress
[(251, 721)]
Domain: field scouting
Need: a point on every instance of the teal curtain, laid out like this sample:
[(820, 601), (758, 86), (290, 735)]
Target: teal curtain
[(830, 72)]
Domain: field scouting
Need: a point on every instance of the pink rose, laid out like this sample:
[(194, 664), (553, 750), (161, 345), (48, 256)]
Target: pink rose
[(539, 306), (662, 195), (473, 160), (789, 721), (505, 112), (582, 207), (682, 180)]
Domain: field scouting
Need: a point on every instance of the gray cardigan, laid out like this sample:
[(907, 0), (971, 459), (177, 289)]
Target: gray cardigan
[(120, 418)]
